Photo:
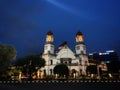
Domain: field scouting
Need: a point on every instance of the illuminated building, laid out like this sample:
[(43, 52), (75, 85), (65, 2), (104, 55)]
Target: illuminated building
[(103, 58), (77, 60), (107, 56)]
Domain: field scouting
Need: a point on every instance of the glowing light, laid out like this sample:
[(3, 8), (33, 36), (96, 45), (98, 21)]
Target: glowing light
[(102, 53), (49, 37), (109, 51), (90, 53), (79, 38)]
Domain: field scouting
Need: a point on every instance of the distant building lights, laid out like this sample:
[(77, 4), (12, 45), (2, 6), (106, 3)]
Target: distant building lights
[(90, 53), (102, 53), (109, 51), (107, 61)]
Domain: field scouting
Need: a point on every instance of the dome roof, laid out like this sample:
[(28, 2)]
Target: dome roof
[(49, 33), (79, 33)]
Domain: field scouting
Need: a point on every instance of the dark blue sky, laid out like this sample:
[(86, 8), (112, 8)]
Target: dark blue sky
[(24, 23)]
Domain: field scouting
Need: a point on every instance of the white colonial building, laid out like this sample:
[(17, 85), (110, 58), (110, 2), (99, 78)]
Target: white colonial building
[(75, 60)]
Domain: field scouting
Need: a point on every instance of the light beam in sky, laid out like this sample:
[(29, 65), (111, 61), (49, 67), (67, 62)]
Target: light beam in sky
[(66, 8), (62, 6), (82, 14)]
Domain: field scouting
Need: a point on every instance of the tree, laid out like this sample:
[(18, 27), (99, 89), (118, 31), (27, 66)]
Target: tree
[(7, 54), (61, 69), (92, 69), (114, 66), (30, 63)]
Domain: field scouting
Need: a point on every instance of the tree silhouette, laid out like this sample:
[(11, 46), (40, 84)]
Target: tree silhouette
[(7, 54), (61, 69), (30, 63), (92, 69), (114, 66)]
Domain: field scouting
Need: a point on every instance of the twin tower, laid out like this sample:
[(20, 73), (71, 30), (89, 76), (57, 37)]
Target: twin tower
[(80, 47), (75, 60)]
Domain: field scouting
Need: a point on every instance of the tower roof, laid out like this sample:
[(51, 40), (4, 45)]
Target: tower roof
[(79, 33), (61, 46), (49, 33), (64, 43)]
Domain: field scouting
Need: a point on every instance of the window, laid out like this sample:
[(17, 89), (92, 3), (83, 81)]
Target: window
[(52, 47), (50, 71), (51, 62), (78, 47), (82, 52), (65, 62), (70, 62)]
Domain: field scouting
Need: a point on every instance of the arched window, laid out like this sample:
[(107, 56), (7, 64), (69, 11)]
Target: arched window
[(51, 62), (65, 62), (69, 62)]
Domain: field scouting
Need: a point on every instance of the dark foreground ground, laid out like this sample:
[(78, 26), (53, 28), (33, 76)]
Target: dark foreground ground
[(61, 85)]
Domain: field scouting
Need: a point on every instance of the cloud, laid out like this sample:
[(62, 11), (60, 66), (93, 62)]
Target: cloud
[(19, 15), (19, 20), (15, 11)]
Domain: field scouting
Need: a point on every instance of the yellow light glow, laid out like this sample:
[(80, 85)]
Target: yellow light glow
[(80, 38), (49, 37)]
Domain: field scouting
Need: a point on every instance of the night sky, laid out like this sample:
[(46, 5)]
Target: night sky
[(24, 24)]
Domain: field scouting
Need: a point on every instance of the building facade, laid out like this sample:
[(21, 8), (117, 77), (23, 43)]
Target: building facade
[(75, 60)]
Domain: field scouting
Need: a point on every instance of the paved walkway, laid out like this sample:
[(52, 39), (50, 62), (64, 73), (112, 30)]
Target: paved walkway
[(64, 85)]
